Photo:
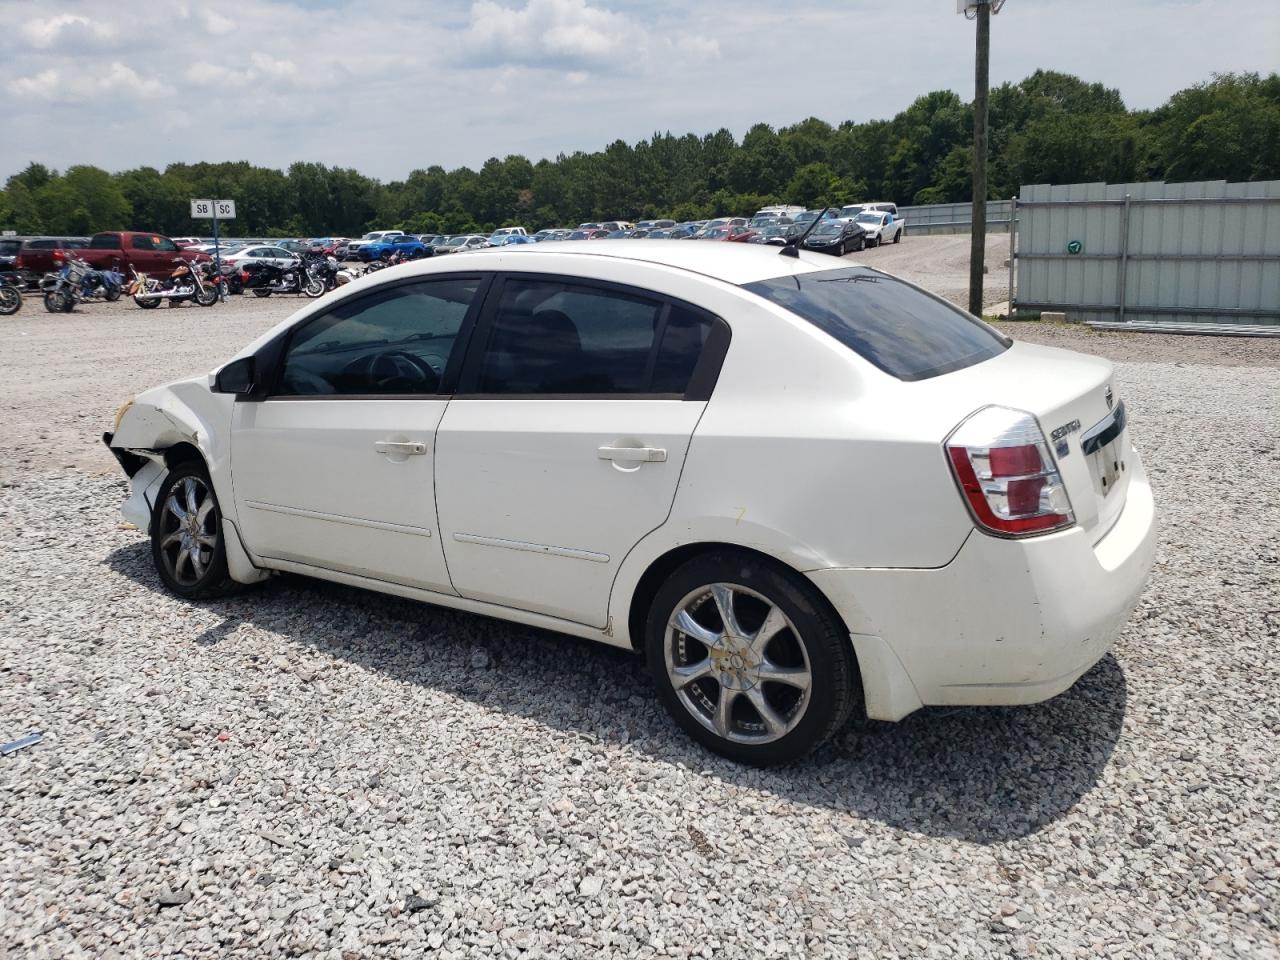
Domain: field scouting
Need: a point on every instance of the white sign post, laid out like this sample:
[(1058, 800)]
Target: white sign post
[(215, 210)]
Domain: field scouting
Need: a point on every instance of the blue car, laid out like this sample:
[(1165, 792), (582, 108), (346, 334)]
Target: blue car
[(510, 240), (408, 246)]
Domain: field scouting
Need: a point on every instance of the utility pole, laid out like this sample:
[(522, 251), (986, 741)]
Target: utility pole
[(978, 238)]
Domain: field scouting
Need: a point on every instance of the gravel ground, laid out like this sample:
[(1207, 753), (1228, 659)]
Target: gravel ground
[(315, 771)]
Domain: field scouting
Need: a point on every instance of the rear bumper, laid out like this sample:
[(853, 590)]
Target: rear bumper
[(1005, 622)]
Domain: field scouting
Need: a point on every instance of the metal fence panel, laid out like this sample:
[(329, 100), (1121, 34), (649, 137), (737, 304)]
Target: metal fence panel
[(941, 218), (1206, 252)]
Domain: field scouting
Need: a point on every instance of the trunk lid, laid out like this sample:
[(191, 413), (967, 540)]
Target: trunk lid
[(1073, 396)]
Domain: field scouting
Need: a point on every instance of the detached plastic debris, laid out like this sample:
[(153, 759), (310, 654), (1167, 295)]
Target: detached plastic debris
[(30, 740)]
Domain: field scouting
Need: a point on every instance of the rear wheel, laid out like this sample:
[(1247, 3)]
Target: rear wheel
[(748, 660), (186, 535), (147, 303), (112, 294), (261, 292)]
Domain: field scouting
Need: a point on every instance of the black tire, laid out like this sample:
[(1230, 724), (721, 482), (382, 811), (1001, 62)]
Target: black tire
[(55, 301), (206, 297), (897, 237), (203, 575), (10, 301), (840, 251), (112, 294), (261, 292), (313, 288), (813, 637), (150, 303)]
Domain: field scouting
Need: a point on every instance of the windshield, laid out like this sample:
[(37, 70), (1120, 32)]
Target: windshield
[(826, 230), (906, 332)]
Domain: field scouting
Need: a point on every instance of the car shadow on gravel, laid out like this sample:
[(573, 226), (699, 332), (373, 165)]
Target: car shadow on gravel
[(983, 775)]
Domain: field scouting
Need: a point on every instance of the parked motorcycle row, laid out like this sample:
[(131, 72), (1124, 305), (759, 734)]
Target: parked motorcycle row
[(76, 282)]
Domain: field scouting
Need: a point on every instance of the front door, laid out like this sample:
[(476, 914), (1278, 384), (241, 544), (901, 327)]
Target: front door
[(565, 441), (335, 469)]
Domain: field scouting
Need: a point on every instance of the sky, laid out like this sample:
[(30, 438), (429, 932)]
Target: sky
[(391, 87)]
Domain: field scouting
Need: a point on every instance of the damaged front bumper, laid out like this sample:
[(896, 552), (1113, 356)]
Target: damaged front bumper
[(145, 476)]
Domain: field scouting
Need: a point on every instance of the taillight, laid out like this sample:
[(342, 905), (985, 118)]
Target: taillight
[(1008, 477)]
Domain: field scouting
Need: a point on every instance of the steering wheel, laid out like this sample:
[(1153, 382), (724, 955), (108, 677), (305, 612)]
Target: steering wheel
[(394, 371)]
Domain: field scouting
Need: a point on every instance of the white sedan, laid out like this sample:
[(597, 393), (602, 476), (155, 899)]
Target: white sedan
[(804, 491), (262, 253)]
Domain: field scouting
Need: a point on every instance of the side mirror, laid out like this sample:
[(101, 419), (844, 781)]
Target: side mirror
[(236, 377)]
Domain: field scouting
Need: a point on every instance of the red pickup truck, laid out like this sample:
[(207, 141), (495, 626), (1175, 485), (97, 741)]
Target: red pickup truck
[(150, 253)]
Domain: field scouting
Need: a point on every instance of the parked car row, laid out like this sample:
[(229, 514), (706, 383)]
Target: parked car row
[(151, 253)]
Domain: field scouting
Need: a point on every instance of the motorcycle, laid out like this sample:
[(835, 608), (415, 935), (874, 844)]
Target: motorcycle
[(77, 282), (10, 293), (182, 284), (322, 267), (264, 279)]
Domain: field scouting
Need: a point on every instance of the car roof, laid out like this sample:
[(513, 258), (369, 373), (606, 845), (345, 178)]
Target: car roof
[(735, 263)]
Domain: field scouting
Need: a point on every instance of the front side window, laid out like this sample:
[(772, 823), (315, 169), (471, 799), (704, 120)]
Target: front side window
[(907, 333), (553, 337), (142, 243), (164, 244), (396, 341)]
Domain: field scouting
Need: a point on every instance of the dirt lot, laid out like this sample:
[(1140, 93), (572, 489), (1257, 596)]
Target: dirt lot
[(315, 771)]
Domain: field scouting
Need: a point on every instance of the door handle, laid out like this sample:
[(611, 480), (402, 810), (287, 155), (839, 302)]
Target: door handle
[(642, 454), (405, 449)]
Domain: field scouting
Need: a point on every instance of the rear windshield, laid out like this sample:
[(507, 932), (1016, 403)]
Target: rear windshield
[(904, 331)]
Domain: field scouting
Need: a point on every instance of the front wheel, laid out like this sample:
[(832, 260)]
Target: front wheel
[(55, 301), (314, 288), (10, 301), (840, 250), (206, 296), (112, 294), (147, 303), (748, 660), (897, 237), (187, 546)]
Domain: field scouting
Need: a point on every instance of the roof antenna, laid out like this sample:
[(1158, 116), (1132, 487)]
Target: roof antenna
[(789, 248)]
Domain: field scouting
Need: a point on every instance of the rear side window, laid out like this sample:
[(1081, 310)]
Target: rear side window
[(41, 244), (105, 241), (907, 333), (552, 337)]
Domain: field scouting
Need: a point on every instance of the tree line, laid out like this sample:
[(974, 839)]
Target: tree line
[(1049, 128)]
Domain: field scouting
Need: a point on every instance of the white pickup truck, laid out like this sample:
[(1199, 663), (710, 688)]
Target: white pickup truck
[(880, 225)]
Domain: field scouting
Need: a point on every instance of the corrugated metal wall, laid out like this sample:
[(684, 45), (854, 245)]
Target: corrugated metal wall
[(1205, 252), (939, 218)]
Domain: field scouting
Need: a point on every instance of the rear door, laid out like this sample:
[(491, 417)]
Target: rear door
[(564, 443)]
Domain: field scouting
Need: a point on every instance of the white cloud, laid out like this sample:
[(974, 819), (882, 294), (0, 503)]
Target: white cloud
[(216, 23), (119, 81), (43, 32), (266, 65), (546, 33), (260, 66)]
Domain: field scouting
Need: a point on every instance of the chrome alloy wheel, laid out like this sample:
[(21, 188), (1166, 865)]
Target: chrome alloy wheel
[(737, 664), (188, 531)]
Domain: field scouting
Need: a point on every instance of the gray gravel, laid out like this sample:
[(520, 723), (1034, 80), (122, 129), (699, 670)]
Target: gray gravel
[(314, 771)]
